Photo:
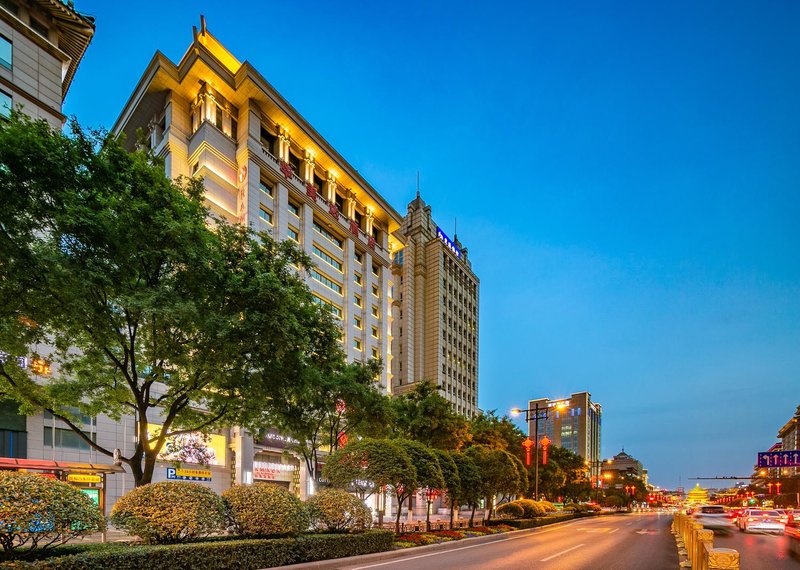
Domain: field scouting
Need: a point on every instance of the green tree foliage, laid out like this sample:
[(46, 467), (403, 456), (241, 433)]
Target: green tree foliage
[(145, 308), (169, 512), (498, 433), (336, 510), (264, 510), (424, 415), (429, 476), (324, 406), (498, 472), (469, 491), (565, 476), (37, 512), (452, 479), (369, 466)]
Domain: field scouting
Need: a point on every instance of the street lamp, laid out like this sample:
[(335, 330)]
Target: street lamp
[(536, 413)]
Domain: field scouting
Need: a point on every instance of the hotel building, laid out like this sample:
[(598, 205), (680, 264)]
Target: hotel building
[(573, 423), (41, 44), (435, 325)]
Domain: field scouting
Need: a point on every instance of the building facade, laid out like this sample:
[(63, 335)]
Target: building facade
[(622, 463), (435, 324), (572, 423), (41, 45), (790, 440)]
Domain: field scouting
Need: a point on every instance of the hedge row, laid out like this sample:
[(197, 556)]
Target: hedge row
[(532, 523), (221, 555)]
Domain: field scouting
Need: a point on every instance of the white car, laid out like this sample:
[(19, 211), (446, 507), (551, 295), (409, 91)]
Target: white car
[(758, 519), (712, 517)]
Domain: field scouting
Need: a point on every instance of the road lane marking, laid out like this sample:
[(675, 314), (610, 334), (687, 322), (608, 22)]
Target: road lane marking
[(560, 553), (406, 558), (615, 530)]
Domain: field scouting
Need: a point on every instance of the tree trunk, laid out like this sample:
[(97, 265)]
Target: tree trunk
[(472, 517), (381, 500), (397, 520), (428, 515), (452, 512), (489, 504)]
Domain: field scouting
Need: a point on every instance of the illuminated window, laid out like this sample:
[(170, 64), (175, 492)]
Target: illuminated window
[(357, 278), (357, 343), (375, 332), (5, 105), (359, 257), (357, 322), (375, 312), (327, 281), (265, 215), (376, 291), (294, 209), (294, 235), (328, 235), (5, 52), (357, 300), (265, 187), (330, 306), (375, 270), (327, 258)]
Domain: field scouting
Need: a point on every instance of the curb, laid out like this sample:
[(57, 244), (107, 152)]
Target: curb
[(400, 553)]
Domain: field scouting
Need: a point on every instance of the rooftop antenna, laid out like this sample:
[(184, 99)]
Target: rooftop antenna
[(417, 184)]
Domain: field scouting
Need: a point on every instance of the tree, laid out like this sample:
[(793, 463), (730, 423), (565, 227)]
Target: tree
[(112, 273), (498, 433), (429, 477), (469, 491), (370, 465), (564, 475), (452, 479), (324, 409), (424, 415), (498, 473)]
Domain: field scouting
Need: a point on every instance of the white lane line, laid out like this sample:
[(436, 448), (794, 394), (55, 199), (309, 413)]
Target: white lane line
[(560, 553), (613, 531), (405, 558)]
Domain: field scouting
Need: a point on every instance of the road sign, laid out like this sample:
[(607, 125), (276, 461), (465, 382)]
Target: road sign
[(779, 459)]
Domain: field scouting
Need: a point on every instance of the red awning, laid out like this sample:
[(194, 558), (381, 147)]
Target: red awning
[(44, 465)]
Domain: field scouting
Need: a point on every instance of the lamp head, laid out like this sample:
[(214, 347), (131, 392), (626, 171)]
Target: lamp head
[(515, 411)]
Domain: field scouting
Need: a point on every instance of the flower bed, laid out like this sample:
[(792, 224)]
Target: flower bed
[(411, 539)]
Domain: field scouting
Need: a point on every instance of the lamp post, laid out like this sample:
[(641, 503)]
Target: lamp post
[(535, 413)]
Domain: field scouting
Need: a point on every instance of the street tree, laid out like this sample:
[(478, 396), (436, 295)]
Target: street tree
[(429, 477), (497, 432), (565, 475), (324, 408), (469, 491), (452, 480), (426, 416), (369, 466), (498, 473), (131, 300)]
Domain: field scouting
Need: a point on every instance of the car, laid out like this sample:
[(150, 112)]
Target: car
[(713, 517), (759, 519)]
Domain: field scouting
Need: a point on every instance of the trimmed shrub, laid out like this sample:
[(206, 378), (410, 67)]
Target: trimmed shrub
[(249, 554), (336, 510), (511, 510), (530, 508), (169, 512), (548, 506), (36, 512), (264, 510), (533, 523)]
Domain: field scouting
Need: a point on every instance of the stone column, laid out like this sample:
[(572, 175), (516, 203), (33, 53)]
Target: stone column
[(308, 175), (329, 192), (283, 144)]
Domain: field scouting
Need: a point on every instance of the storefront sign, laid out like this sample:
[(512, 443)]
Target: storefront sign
[(446, 241), (274, 439), (82, 478), (180, 474), (265, 471)]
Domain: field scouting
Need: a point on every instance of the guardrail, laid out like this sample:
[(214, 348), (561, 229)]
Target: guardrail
[(698, 546)]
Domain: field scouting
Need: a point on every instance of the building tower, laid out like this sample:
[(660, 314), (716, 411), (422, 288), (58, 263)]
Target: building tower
[(41, 44), (573, 423), (435, 323)]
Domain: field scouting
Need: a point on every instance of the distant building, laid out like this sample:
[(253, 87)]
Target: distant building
[(573, 423), (624, 463), (435, 312), (42, 43), (790, 439)]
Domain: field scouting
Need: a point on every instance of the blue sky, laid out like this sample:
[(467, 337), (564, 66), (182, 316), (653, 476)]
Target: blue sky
[(624, 174)]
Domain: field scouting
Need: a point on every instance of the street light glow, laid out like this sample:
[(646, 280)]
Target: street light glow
[(515, 411)]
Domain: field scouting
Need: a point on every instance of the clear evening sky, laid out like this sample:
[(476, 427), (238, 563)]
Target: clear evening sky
[(626, 177)]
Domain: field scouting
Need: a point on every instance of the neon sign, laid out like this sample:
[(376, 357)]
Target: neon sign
[(446, 241)]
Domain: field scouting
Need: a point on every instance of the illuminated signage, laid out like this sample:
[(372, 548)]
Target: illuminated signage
[(93, 494), (81, 478), (446, 241), (179, 474), (272, 471), (193, 447)]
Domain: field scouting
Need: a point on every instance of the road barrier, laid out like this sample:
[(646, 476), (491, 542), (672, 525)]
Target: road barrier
[(699, 546)]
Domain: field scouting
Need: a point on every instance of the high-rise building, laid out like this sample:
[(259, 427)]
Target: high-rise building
[(789, 435), (436, 312), (572, 423), (42, 43), (623, 463)]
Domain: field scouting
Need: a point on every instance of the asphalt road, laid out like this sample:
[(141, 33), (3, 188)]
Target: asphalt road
[(624, 542), (758, 551)]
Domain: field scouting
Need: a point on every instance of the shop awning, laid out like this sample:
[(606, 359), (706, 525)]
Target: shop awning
[(44, 465)]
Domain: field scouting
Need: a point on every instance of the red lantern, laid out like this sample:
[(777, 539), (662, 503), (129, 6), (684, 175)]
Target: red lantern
[(527, 444), (545, 443)]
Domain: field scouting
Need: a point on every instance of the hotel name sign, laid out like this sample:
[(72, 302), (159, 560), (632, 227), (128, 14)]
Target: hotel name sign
[(446, 241)]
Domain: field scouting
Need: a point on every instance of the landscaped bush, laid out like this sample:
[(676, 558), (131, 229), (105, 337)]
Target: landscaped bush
[(511, 510), (336, 510), (548, 506), (532, 523), (264, 510), (249, 554), (36, 512), (169, 512), (530, 508)]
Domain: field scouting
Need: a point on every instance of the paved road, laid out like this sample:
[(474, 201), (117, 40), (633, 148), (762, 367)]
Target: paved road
[(624, 542), (758, 551)]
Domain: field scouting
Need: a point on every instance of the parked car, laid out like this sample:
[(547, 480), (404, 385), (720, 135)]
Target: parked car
[(713, 517), (759, 519)]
